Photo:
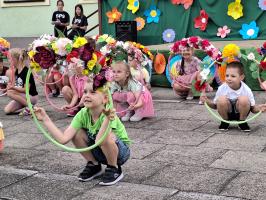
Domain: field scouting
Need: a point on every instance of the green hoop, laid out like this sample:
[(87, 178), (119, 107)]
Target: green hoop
[(48, 136), (230, 122)]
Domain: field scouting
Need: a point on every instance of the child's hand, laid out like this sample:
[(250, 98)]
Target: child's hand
[(40, 113), (66, 107), (131, 107), (110, 113), (204, 98), (9, 86), (262, 107)]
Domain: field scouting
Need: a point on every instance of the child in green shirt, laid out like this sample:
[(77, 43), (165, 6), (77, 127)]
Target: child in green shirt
[(87, 127)]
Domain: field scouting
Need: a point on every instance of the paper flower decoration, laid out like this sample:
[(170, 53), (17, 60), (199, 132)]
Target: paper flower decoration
[(152, 14), (113, 16), (133, 5), (62, 46), (249, 31), (186, 3), (262, 4), (235, 9), (231, 51), (201, 21), (223, 31), (140, 23), (169, 35), (4, 47)]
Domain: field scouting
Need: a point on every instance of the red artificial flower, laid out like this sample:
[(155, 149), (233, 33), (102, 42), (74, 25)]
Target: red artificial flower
[(176, 46), (101, 58), (73, 54), (210, 53), (44, 57), (264, 45), (193, 39), (183, 43), (200, 87), (263, 65), (205, 43), (201, 21)]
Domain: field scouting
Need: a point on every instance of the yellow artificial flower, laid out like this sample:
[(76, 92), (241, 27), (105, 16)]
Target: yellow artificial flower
[(4, 43), (31, 54), (85, 72), (92, 62), (133, 5), (54, 47), (235, 9), (231, 51), (35, 66), (79, 42), (110, 40)]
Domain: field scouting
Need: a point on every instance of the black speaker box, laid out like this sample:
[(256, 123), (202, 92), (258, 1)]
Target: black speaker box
[(126, 31)]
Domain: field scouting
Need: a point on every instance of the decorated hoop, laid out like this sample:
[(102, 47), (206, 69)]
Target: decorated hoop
[(196, 43), (48, 136)]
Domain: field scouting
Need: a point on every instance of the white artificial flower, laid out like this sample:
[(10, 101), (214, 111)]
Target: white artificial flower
[(104, 50), (251, 56), (126, 45), (120, 43), (204, 73)]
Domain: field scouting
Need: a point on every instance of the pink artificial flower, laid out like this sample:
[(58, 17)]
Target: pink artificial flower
[(223, 31)]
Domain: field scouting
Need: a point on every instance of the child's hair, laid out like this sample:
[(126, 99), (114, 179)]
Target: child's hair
[(81, 8), (127, 69), (19, 54), (1, 59), (91, 41), (58, 1), (236, 65), (182, 70)]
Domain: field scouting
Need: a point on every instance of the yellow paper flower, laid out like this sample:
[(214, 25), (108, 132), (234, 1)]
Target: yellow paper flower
[(79, 42), (235, 9), (231, 51), (4, 43), (133, 5), (31, 54), (35, 66), (92, 62), (110, 40), (85, 72), (54, 47)]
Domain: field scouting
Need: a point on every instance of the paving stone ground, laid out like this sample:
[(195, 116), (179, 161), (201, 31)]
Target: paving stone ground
[(178, 155)]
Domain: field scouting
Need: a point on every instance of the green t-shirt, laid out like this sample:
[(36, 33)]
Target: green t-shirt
[(83, 120)]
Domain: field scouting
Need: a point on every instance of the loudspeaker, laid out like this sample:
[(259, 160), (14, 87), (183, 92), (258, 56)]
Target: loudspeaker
[(126, 31)]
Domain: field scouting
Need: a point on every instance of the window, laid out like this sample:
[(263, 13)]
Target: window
[(88, 1), (14, 3)]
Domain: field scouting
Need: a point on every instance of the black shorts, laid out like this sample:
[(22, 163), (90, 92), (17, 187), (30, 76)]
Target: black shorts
[(234, 114)]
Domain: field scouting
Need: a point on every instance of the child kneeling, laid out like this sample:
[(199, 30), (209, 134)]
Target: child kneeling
[(234, 99), (86, 128)]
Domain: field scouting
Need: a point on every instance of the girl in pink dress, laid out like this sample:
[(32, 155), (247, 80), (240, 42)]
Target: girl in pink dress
[(188, 70), (126, 91), (74, 92)]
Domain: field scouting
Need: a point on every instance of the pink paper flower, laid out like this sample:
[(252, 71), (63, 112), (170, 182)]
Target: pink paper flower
[(223, 31)]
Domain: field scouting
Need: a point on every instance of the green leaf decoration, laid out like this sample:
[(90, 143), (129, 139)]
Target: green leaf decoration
[(253, 67), (69, 48), (263, 75), (60, 33), (255, 74)]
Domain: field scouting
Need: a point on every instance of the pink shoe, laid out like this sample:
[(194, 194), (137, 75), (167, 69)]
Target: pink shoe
[(72, 113)]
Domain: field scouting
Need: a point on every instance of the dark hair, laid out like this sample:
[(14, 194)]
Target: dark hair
[(1, 59), (236, 65), (58, 1), (80, 7), (182, 70), (91, 41)]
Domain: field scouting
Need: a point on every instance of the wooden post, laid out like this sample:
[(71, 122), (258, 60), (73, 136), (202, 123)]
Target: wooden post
[(100, 16)]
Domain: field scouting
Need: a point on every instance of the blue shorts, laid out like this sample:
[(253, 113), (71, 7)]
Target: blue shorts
[(123, 154)]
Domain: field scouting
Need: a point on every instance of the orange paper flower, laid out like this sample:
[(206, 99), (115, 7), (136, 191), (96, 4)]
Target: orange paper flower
[(140, 23), (113, 15), (186, 3)]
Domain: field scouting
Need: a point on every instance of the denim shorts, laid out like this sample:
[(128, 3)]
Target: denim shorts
[(123, 151)]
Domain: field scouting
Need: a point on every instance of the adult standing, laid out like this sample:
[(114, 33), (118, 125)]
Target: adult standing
[(60, 19), (79, 23)]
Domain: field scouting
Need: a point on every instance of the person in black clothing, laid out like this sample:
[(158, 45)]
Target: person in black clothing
[(60, 19), (79, 23), (16, 89)]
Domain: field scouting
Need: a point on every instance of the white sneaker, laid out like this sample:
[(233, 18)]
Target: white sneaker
[(135, 118), (60, 95), (189, 98), (200, 102), (126, 117)]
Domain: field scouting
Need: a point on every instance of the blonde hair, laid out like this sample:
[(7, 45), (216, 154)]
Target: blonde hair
[(127, 68), (20, 55)]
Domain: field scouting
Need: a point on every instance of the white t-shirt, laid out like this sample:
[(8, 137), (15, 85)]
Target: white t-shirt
[(225, 90)]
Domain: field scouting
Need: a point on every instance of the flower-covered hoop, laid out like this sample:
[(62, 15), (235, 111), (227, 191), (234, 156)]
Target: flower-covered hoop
[(110, 50), (195, 42)]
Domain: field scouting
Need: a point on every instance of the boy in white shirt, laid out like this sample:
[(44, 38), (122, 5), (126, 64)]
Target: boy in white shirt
[(234, 99)]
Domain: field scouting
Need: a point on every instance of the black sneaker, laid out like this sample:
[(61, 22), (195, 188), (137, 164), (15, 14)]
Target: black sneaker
[(244, 127), (111, 176), (90, 171), (56, 94), (224, 126)]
